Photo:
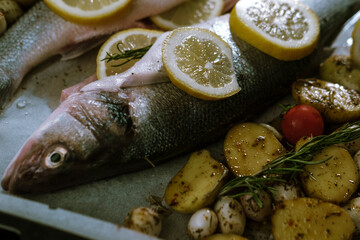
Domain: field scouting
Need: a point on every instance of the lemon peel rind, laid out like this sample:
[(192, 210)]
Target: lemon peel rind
[(200, 95), (91, 17), (101, 68), (275, 47), (167, 25), (181, 80), (355, 47)]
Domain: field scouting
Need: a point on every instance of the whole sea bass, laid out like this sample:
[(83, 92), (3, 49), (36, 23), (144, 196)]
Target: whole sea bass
[(107, 129), (40, 34)]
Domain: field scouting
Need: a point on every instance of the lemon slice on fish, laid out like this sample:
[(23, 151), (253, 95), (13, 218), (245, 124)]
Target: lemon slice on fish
[(88, 11), (113, 56), (200, 63), (284, 29), (189, 13), (355, 48)]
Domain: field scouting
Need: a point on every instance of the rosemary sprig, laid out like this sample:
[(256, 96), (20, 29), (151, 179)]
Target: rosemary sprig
[(290, 164), (129, 55)]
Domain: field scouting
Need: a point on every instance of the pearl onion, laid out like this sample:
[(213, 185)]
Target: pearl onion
[(202, 223), (144, 220), (231, 215)]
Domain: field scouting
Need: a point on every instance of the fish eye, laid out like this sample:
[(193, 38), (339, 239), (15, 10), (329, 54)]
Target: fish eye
[(56, 157)]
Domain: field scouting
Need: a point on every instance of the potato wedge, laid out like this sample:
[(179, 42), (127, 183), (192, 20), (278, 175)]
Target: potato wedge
[(197, 184), (340, 69), (248, 147), (225, 236), (3, 24), (335, 180), (307, 218), (352, 147), (301, 142), (11, 10), (336, 103)]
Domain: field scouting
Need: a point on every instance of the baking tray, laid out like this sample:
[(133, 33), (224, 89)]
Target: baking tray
[(95, 210)]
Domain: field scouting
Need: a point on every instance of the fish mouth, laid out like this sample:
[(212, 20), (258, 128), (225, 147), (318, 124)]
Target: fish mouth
[(17, 180), (5, 181), (19, 174), (8, 182)]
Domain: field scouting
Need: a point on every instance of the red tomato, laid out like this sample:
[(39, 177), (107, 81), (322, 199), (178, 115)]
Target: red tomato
[(301, 120)]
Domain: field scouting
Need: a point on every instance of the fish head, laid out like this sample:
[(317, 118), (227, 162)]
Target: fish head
[(53, 157)]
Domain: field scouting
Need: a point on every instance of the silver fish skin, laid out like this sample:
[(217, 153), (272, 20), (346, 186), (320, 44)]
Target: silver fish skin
[(98, 133), (40, 34)]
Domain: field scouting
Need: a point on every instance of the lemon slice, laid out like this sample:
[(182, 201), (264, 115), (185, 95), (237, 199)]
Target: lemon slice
[(284, 29), (88, 11), (355, 48), (189, 13), (132, 39), (199, 62)]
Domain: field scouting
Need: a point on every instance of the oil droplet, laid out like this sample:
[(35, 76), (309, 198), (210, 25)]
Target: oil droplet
[(21, 104)]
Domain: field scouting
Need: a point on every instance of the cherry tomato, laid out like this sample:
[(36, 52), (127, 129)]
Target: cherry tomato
[(301, 120)]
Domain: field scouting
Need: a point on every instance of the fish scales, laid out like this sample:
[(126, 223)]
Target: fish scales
[(97, 133), (40, 34), (19, 46)]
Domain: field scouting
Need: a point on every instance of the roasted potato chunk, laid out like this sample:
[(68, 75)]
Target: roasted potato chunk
[(3, 24), (334, 180), (249, 146), (307, 218), (352, 147), (197, 184), (340, 69), (301, 142), (11, 10), (336, 103)]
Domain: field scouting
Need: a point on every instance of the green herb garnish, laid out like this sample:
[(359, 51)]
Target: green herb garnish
[(285, 108), (127, 54), (290, 164)]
